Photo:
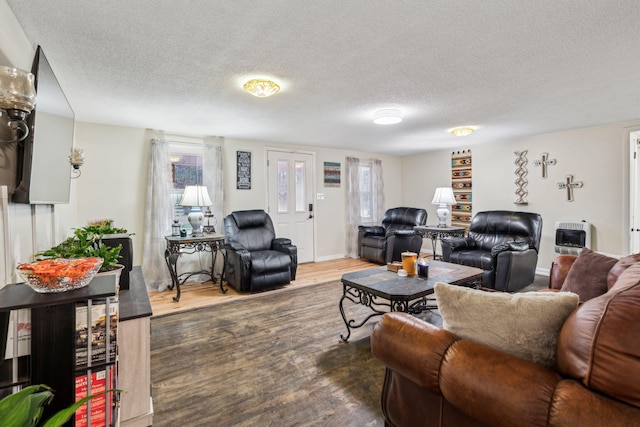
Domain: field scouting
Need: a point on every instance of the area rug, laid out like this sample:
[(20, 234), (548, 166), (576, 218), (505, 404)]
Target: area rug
[(275, 360)]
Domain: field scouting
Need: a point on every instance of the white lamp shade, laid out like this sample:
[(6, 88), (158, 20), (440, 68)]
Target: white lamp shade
[(443, 196), (195, 195)]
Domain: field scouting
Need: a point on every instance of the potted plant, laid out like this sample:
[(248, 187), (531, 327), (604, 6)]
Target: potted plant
[(95, 240), (25, 407)]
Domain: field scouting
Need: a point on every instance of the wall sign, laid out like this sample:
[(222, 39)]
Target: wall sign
[(243, 170), (331, 174)]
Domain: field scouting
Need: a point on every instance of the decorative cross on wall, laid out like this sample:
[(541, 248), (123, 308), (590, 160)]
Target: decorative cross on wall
[(569, 185), (544, 162)]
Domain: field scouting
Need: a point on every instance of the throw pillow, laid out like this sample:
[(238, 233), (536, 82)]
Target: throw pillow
[(620, 267), (524, 324), (588, 275)]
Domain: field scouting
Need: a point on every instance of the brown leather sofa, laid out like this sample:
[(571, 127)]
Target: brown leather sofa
[(434, 378)]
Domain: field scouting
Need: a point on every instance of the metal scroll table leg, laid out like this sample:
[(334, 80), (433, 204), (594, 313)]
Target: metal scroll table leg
[(214, 257), (344, 318), (171, 258), (362, 297)]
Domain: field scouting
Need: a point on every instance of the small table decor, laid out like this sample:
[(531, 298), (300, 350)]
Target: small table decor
[(59, 274)]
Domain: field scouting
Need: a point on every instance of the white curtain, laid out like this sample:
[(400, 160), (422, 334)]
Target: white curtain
[(353, 205), (354, 200), (213, 179), (377, 191), (159, 215)]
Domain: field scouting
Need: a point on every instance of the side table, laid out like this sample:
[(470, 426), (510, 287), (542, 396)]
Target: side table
[(434, 233), (176, 246)]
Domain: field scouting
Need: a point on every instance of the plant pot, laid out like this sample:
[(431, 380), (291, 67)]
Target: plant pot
[(126, 254), (117, 271)]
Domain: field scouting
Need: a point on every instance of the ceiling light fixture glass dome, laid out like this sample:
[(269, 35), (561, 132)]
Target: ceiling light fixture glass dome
[(462, 131), (261, 88), (387, 117)]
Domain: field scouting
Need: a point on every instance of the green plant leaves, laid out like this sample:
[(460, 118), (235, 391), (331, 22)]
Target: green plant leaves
[(24, 408), (64, 415), (87, 242)]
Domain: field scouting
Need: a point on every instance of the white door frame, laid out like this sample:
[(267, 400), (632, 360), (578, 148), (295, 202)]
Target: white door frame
[(313, 187), (634, 187)]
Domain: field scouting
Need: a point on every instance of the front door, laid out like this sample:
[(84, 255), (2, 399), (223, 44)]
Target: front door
[(290, 204)]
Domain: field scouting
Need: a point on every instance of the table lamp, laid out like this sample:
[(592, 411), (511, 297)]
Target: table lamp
[(195, 196), (443, 198)]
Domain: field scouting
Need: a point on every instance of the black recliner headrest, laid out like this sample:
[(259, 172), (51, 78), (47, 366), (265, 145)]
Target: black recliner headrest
[(250, 219)]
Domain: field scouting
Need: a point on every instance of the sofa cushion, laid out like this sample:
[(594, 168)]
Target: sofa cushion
[(620, 267), (588, 275), (523, 324), (266, 262), (599, 343)]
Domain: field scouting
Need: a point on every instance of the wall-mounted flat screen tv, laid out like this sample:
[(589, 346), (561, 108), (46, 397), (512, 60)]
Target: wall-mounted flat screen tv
[(44, 172)]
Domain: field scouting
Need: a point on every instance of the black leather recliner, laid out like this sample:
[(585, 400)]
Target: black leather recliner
[(385, 243), (504, 244), (255, 259)]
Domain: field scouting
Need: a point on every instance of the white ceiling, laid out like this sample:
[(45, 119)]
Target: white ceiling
[(511, 68)]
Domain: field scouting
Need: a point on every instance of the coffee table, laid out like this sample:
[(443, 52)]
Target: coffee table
[(383, 291)]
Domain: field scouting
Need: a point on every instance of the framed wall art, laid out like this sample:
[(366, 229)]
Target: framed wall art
[(331, 174), (243, 170)]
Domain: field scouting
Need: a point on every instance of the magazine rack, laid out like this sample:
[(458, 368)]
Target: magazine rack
[(62, 357)]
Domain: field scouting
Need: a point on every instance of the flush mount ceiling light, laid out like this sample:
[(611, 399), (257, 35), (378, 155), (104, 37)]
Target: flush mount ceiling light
[(387, 117), (261, 88), (462, 131)]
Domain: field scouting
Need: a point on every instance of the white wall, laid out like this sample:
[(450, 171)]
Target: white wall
[(113, 183), (598, 156), (330, 213)]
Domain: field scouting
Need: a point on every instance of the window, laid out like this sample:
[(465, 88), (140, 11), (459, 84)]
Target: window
[(186, 169), (283, 186), (366, 201), (300, 186)]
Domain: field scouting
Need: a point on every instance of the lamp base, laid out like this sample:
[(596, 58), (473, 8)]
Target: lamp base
[(195, 218), (443, 214)]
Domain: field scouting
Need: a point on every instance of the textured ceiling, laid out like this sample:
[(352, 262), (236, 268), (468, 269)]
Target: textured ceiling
[(511, 68)]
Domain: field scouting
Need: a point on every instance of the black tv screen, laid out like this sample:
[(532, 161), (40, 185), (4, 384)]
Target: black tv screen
[(44, 172)]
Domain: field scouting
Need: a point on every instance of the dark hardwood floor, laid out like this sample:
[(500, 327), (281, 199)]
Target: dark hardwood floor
[(270, 359), (275, 360)]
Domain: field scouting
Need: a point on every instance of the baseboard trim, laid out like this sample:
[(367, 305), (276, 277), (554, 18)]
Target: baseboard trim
[(330, 257), (543, 271)]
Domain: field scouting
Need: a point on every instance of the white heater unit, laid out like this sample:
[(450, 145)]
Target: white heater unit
[(572, 236)]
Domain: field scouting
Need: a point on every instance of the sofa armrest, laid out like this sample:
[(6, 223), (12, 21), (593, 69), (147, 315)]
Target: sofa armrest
[(238, 266), (450, 244), (411, 347), (456, 243), (496, 388), (488, 385), (282, 244), (398, 232), (367, 230), (509, 246), (234, 246), (515, 269), (559, 269)]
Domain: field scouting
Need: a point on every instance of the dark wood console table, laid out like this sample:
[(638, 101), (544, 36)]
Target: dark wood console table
[(176, 246)]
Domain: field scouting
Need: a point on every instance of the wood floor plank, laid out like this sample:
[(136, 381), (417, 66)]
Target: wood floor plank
[(195, 295), (275, 360)]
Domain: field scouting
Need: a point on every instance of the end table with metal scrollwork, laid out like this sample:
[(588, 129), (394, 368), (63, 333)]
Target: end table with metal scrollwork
[(176, 246), (434, 233)]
